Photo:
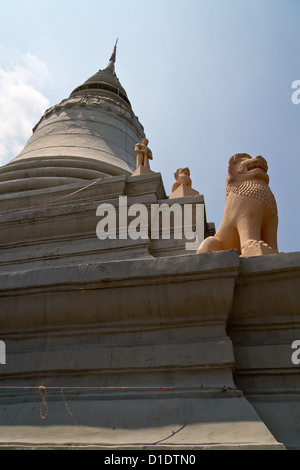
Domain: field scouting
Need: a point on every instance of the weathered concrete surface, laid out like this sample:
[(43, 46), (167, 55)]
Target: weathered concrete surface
[(57, 226), (264, 322), (87, 128), (158, 422), (145, 344)]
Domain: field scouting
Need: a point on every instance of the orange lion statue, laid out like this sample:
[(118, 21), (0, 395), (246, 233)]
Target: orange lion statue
[(250, 217)]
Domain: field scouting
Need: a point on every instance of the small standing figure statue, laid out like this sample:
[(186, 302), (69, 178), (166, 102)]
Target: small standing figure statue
[(144, 154)]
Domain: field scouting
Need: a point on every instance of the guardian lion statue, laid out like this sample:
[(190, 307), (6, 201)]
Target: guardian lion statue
[(182, 176), (250, 218)]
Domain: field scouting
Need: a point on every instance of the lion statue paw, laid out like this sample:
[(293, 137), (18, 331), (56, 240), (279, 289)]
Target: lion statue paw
[(256, 248)]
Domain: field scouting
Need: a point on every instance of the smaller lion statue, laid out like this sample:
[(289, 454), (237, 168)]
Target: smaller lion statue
[(183, 185), (182, 176), (250, 219)]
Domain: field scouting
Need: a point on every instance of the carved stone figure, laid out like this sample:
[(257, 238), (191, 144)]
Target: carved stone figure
[(250, 218), (144, 154), (183, 185)]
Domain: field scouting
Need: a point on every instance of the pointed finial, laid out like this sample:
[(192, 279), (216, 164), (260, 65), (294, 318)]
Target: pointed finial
[(112, 60), (114, 54)]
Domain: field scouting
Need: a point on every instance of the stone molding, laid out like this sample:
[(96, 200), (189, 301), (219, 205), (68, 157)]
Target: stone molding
[(108, 104)]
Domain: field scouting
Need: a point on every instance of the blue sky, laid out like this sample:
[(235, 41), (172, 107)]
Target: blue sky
[(206, 78)]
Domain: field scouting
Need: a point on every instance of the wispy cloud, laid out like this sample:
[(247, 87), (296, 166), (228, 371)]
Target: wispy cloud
[(22, 76)]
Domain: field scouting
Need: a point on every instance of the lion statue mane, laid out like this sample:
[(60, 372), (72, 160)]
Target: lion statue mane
[(250, 217)]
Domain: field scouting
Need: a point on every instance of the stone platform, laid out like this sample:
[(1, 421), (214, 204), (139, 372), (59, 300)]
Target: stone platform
[(137, 343), (182, 352)]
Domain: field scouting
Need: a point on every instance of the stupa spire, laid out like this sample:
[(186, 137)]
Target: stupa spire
[(112, 60), (104, 82)]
